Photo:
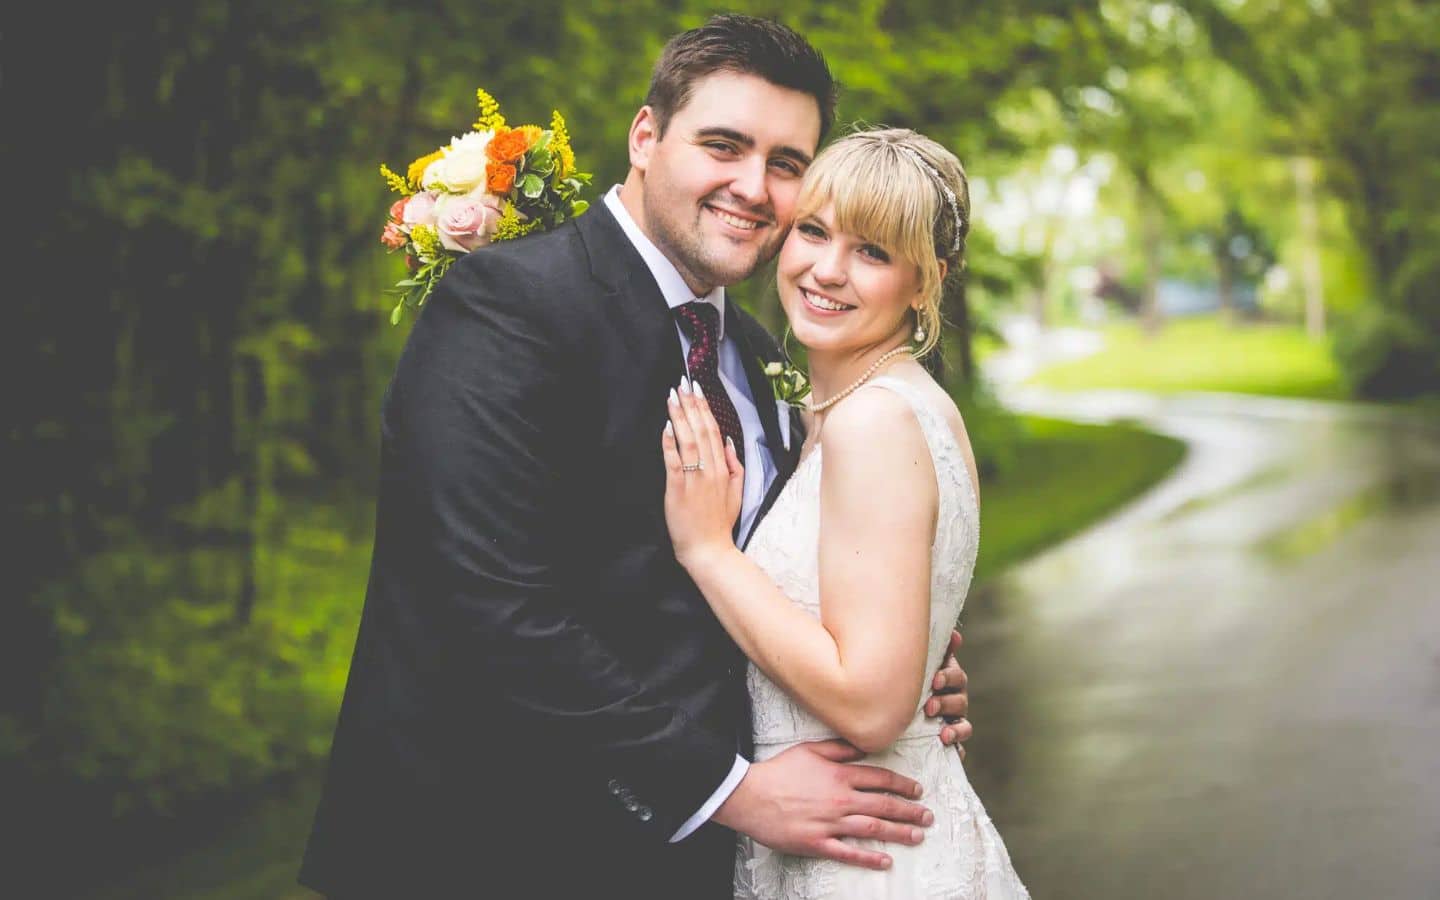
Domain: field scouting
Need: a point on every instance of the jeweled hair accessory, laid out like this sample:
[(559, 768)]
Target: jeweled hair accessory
[(944, 189)]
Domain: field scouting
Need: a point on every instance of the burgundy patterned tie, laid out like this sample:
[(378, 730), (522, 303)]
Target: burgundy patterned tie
[(701, 323)]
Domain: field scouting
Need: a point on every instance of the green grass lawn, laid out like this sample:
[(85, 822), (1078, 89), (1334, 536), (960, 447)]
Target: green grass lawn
[(1206, 354), (1063, 477)]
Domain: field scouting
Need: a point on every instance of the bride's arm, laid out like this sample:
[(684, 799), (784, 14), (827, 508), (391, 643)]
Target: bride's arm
[(860, 668)]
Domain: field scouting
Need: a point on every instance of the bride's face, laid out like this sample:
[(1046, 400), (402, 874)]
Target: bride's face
[(841, 292)]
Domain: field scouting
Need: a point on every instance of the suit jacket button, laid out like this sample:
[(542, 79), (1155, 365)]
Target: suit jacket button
[(616, 787), (631, 805), (645, 814)]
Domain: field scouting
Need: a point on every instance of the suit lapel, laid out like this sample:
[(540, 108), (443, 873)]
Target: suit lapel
[(738, 327), (634, 302), (756, 349)]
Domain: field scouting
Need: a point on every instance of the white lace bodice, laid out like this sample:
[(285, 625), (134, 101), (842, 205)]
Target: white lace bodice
[(962, 856)]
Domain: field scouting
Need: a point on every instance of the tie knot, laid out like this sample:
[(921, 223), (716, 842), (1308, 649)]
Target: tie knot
[(699, 319)]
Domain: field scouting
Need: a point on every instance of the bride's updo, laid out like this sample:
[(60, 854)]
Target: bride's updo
[(906, 193)]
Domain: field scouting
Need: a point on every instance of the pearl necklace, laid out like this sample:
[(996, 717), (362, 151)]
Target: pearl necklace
[(874, 367)]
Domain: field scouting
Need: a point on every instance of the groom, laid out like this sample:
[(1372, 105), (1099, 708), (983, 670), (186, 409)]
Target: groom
[(540, 703)]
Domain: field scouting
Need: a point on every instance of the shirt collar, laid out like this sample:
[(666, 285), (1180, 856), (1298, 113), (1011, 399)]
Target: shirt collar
[(672, 286)]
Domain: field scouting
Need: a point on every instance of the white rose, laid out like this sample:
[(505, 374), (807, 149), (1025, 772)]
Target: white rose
[(470, 142), (462, 168), (463, 172)]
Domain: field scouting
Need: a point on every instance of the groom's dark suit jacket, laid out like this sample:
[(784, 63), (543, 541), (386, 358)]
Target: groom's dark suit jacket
[(539, 696)]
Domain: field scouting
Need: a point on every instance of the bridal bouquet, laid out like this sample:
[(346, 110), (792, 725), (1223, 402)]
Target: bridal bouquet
[(494, 183)]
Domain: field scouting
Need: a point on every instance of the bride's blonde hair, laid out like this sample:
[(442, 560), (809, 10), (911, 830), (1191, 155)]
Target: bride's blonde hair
[(882, 193)]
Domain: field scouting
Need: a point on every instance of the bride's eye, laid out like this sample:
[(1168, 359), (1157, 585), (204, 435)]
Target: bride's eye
[(810, 229), (876, 253)]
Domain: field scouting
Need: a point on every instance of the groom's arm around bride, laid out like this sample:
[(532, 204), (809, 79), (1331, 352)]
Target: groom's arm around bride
[(538, 694)]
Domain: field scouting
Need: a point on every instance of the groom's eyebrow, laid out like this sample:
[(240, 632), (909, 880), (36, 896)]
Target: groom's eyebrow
[(748, 142)]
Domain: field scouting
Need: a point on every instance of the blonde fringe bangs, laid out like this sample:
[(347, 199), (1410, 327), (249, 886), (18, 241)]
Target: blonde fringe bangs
[(878, 193)]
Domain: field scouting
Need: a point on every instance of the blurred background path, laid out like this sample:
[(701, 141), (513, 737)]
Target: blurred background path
[(1232, 687)]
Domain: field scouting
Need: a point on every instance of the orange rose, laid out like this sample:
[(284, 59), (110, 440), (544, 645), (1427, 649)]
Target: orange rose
[(499, 178), (508, 145)]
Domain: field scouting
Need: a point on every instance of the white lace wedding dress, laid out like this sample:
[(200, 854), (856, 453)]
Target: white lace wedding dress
[(962, 856)]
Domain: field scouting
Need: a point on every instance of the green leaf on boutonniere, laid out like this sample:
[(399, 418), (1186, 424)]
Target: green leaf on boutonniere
[(788, 383)]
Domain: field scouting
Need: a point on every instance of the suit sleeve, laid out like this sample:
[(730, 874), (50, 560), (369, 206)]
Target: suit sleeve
[(478, 414)]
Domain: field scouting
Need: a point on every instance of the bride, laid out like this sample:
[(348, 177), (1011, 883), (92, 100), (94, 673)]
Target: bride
[(846, 594)]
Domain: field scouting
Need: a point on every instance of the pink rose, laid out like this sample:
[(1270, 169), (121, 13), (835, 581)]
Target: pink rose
[(393, 237), (419, 209), (467, 222), (397, 209)]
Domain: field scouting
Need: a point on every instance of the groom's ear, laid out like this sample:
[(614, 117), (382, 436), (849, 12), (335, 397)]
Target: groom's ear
[(644, 134)]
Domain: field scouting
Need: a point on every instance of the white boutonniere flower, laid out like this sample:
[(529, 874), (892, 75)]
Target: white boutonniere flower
[(789, 384)]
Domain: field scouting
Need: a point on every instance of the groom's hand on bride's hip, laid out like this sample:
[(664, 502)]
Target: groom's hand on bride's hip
[(950, 698), (806, 798)]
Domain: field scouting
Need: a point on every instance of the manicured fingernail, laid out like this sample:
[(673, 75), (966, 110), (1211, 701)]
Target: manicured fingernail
[(669, 429), (916, 835), (928, 819), (684, 385), (917, 792), (932, 707), (884, 862), (699, 393), (674, 398), (939, 682), (729, 442)]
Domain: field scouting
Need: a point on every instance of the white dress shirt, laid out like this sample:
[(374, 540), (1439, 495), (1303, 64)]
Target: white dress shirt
[(759, 468)]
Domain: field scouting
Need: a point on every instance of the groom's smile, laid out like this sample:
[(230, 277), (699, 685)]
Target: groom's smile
[(739, 224), (735, 220)]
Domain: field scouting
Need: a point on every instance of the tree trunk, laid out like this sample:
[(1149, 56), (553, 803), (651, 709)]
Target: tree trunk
[(1311, 279), (1225, 280), (1151, 316)]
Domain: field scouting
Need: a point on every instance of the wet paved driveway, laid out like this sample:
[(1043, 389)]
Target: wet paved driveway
[(1231, 688)]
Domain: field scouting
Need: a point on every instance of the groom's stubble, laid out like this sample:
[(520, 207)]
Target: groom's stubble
[(679, 238)]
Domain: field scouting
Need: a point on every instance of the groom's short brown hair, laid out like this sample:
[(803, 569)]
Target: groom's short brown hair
[(745, 45)]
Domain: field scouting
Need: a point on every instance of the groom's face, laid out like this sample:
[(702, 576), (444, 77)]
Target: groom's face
[(720, 185)]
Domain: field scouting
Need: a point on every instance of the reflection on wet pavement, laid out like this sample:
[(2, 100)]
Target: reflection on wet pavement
[(1232, 687)]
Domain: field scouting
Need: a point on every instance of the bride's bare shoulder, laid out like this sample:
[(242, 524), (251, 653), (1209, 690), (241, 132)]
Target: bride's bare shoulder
[(873, 427)]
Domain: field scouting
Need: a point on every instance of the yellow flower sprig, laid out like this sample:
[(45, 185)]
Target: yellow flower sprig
[(427, 242), (560, 144), (510, 227), (397, 184), (490, 117)]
